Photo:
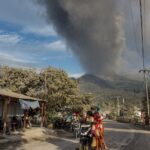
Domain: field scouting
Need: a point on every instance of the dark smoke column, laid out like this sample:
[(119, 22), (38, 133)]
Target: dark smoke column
[(91, 29)]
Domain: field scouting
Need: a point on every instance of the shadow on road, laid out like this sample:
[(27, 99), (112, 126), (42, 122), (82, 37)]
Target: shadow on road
[(17, 139), (63, 144), (13, 144), (63, 140)]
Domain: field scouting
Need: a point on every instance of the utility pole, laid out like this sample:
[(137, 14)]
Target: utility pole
[(123, 106), (45, 83), (145, 71), (118, 106), (123, 101)]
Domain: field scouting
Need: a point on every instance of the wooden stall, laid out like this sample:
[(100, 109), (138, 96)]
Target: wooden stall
[(9, 105)]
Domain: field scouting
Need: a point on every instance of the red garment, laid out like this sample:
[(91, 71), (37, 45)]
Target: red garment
[(96, 115), (97, 127)]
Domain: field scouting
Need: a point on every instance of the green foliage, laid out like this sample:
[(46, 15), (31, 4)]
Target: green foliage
[(51, 84), (18, 80), (106, 91)]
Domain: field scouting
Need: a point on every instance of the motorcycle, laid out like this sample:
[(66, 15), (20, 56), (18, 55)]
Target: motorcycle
[(85, 137), (62, 124), (76, 129)]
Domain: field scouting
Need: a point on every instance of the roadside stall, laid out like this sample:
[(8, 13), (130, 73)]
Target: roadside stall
[(17, 109)]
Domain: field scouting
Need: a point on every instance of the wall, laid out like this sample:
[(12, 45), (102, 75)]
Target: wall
[(14, 109)]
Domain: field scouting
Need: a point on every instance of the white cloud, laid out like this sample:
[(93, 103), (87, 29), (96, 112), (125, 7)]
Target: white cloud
[(58, 57), (44, 31), (6, 38), (16, 49), (22, 12), (76, 75), (32, 53), (1, 31), (27, 14), (57, 46), (13, 60)]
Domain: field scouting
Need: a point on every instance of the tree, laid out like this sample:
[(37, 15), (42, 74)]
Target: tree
[(20, 81), (60, 90), (51, 84)]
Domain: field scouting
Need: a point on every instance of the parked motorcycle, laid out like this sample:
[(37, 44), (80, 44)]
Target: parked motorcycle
[(76, 129)]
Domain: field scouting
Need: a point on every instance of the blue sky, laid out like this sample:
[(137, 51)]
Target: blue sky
[(28, 41)]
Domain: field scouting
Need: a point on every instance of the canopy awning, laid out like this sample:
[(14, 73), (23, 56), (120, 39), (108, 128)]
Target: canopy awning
[(29, 104), (17, 96)]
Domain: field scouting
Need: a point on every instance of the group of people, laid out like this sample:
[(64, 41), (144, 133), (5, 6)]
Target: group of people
[(94, 137), (96, 130)]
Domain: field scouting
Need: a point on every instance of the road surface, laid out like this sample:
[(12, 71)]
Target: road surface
[(122, 136), (118, 136)]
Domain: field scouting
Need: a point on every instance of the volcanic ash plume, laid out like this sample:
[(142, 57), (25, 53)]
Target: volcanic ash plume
[(91, 29)]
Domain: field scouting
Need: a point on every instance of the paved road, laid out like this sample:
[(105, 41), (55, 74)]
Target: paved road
[(118, 136), (126, 137)]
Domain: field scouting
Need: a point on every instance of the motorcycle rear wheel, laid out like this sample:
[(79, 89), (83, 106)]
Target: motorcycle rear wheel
[(84, 147)]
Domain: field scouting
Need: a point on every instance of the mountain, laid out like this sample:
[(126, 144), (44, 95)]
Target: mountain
[(117, 83), (106, 90), (88, 78)]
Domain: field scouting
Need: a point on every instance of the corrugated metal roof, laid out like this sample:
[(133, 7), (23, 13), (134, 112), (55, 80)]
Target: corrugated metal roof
[(8, 93)]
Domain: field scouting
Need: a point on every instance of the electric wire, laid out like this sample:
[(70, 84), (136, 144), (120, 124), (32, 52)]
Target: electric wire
[(134, 26)]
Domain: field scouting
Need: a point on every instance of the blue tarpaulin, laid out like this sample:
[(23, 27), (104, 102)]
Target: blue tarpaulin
[(29, 104)]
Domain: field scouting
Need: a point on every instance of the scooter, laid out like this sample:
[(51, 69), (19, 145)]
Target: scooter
[(85, 137)]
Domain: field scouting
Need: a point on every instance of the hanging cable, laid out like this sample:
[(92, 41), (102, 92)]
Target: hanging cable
[(134, 30), (144, 25)]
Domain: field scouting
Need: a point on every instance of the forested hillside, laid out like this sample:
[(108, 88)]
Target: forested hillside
[(106, 91)]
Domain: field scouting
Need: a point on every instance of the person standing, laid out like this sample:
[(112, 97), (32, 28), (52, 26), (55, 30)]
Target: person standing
[(97, 130)]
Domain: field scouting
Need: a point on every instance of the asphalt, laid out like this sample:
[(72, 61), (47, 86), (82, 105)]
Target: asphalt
[(121, 136), (118, 136)]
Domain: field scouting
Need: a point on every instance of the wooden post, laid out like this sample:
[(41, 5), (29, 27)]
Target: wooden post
[(24, 119), (42, 114), (45, 120), (5, 113)]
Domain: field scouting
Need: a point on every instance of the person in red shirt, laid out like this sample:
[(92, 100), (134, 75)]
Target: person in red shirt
[(98, 133)]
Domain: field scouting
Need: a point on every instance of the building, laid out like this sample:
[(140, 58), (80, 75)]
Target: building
[(14, 104)]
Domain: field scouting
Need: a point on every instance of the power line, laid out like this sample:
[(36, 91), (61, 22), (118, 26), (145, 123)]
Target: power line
[(144, 23), (134, 30)]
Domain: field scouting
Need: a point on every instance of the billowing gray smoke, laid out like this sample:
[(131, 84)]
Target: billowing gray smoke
[(91, 29)]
